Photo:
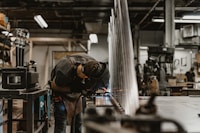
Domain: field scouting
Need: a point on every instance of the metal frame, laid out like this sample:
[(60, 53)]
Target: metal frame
[(30, 96)]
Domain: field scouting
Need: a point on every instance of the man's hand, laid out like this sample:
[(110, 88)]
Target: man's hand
[(104, 89)]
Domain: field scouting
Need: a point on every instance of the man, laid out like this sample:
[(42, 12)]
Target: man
[(190, 77), (74, 76)]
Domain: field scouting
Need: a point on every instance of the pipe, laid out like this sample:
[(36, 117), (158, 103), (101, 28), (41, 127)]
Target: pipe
[(157, 2), (190, 2), (66, 16), (98, 8)]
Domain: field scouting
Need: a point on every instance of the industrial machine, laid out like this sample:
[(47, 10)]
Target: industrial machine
[(21, 82), (161, 54), (146, 120), (22, 76), (19, 78)]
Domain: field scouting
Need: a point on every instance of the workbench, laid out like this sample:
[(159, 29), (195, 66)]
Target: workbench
[(29, 95), (183, 90), (190, 91), (176, 90)]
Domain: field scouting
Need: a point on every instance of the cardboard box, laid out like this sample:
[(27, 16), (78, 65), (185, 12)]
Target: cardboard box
[(198, 57), (172, 82)]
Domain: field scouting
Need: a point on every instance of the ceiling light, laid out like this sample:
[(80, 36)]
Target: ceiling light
[(41, 22), (143, 47), (177, 20), (194, 17), (93, 38), (179, 48)]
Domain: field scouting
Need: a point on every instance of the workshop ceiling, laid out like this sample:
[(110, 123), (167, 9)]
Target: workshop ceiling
[(78, 18)]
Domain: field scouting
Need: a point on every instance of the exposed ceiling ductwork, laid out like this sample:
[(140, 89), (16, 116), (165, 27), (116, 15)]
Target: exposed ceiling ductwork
[(78, 18)]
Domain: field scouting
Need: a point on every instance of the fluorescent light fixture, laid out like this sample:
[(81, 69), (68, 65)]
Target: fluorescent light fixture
[(143, 48), (93, 38), (41, 22), (159, 20), (179, 48), (164, 49), (194, 17)]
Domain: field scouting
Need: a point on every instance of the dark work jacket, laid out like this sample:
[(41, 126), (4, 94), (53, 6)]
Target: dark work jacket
[(190, 76), (65, 74)]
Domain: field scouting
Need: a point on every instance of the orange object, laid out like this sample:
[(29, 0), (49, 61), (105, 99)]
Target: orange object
[(3, 20)]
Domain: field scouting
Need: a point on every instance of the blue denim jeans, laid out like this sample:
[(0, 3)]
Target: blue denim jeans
[(76, 124), (60, 115)]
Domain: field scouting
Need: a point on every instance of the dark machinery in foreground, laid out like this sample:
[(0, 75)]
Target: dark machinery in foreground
[(145, 121)]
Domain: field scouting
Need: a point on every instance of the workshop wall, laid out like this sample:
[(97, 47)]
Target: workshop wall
[(43, 56), (183, 60)]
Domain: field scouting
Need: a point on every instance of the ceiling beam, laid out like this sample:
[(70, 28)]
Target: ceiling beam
[(131, 8)]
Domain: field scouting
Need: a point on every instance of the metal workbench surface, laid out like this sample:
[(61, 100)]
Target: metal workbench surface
[(183, 109), (21, 93)]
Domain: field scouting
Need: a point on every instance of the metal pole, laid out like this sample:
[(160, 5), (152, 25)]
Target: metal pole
[(9, 125), (169, 23)]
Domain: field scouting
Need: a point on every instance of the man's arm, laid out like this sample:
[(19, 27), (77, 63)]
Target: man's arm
[(64, 89)]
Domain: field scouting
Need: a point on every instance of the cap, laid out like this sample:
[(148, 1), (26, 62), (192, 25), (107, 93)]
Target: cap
[(93, 69)]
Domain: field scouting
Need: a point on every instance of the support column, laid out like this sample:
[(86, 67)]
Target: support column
[(169, 27), (169, 23)]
